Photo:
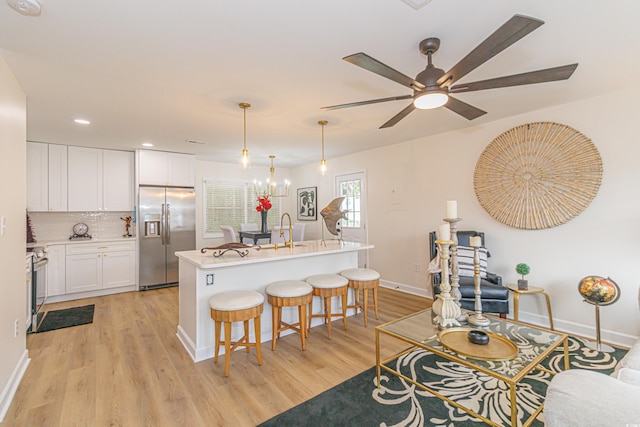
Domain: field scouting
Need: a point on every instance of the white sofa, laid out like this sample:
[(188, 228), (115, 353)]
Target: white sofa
[(578, 397)]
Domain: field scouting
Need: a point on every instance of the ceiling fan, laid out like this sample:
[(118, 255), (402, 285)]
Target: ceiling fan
[(432, 87)]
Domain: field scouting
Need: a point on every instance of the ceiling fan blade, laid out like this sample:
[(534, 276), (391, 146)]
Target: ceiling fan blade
[(401, 115), (372, 101), (540, 76), (467, 111), (510, 32), (368, 63)]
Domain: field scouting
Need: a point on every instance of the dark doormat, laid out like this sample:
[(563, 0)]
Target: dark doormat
[(58, 319)]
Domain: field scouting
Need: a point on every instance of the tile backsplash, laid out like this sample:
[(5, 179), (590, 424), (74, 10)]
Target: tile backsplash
[(49, 226)]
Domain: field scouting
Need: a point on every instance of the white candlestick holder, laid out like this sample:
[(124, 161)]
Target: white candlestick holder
[(477, 318), (455, 268), (445, 307)]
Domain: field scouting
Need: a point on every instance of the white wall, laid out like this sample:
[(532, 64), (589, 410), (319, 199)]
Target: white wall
[(427, 172), (13, 290)]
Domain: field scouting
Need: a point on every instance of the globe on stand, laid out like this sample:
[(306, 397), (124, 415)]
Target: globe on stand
[(599, 291)]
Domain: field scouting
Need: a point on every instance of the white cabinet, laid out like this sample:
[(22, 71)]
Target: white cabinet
[(37, 177), (117, 180), (57, 178), (46, 177), (92, 266), (100, 180), (56, 270), (163, 168)]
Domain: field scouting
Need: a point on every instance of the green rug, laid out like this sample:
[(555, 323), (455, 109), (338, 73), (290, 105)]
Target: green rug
[(358, 402)]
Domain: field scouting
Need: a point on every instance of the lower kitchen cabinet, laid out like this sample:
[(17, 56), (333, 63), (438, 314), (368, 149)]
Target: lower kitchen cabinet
[(92, 266), (56, 270)]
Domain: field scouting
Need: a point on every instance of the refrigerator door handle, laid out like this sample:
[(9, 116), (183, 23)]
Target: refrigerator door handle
[(168, 225), (162, 223)]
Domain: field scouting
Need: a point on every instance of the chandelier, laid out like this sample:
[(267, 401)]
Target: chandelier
[(272, 188)]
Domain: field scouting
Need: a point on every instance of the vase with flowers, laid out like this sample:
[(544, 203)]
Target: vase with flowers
[(264, 204)]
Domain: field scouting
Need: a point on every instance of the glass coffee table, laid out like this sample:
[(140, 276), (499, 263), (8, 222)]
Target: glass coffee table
[(519, 349)]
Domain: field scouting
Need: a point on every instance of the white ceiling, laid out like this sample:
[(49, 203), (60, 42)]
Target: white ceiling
[(170, 71)]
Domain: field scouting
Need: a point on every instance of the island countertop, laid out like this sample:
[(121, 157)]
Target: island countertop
[(268, 253)]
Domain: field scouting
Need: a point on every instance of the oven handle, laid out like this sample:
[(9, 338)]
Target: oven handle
[(40, 263)]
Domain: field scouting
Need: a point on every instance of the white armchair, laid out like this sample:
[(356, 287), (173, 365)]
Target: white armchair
[(229, 234), (578, 397), (275, 235), (298, 231)]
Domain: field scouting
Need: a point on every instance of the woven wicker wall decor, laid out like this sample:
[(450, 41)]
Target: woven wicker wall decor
[(537, 175)]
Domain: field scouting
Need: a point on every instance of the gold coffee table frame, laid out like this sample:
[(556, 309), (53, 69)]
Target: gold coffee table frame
[(419, 331)]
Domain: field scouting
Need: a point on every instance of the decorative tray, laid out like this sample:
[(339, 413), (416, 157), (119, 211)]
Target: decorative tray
[(498, 348)]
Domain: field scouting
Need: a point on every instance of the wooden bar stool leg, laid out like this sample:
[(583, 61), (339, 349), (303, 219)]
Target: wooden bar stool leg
[(327, 314), (302, 321), (256, 326), (227, 348), (375, 300), (344, 310), (246, 336), (275, 325), (356, 299), (310, 314), (217, 329), (365, 291)]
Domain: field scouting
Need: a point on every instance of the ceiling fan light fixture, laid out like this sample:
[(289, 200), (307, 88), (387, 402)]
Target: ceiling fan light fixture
[(430, 100)]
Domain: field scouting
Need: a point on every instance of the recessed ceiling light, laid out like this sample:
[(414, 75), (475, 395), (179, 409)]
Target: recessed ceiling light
[(147, 144), (82, 121), (25, 7)]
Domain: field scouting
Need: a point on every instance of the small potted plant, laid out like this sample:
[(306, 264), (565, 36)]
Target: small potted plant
[(523, 269)]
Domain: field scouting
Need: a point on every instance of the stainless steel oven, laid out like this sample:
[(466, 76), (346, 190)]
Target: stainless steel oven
[(38, 284)]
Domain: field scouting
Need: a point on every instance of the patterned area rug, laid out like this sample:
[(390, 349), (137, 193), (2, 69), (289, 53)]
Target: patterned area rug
[(358, 402)]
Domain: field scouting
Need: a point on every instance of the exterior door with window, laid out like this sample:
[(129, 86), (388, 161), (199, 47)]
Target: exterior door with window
[(354, 229)]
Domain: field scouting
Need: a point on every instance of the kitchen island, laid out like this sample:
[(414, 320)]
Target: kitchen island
[(203, 275)]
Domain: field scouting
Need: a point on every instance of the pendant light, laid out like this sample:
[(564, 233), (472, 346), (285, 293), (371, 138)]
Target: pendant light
[(272, 189), (323, 162), (245, 153)]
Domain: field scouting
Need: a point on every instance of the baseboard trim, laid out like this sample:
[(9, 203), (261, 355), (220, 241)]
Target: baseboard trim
[(405, 288), (90, 294), (10, 388), (573, 328)]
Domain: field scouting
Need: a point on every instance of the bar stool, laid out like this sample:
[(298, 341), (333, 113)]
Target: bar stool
[(365, 279), (327, 286), (236, 306), (289, 293)]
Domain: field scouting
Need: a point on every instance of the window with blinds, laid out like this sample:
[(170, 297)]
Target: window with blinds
[(231, 204)]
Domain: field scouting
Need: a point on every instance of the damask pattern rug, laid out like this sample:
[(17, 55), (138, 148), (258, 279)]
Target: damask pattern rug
[(358, 401)]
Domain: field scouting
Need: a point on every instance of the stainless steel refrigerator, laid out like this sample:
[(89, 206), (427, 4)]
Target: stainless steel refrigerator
[(166, 224)]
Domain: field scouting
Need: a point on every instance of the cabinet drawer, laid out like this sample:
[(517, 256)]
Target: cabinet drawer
[(90, 248)]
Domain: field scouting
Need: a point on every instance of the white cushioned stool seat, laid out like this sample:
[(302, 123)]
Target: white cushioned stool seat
[(289, 293), (288, 288), (236, 306), (327, 281), (365, 279), (360, 274), (235, 300), (327, 286)]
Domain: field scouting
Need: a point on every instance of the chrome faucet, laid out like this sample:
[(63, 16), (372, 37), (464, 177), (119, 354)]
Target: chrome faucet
[(290, 242)]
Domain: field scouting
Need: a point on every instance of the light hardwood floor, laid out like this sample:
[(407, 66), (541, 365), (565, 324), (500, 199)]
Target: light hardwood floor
[(128, 368)]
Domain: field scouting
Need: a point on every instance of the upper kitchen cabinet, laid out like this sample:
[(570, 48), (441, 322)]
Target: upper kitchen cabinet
[(37, 177), (100, 180), (163, 168), (46, 177)]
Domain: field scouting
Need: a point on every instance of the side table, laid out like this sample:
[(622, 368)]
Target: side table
[(531, 290)]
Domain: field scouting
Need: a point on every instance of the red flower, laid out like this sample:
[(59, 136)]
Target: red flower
[(264, 204)]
